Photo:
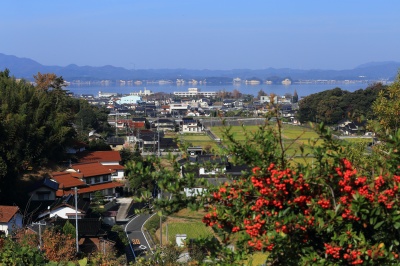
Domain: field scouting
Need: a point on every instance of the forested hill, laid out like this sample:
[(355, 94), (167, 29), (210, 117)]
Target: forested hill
[(26, 68), (331, 106), (37, 126)]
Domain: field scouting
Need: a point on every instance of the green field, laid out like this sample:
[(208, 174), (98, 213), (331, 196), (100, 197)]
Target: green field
[(293, 136), (191, 229), (201, 140)]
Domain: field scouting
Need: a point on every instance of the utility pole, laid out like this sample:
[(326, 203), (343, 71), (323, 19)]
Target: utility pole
[(158, 133), (76, 219), (40, 233), (116, 124)]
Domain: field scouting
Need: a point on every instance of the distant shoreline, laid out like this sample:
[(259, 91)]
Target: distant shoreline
[(302, 89)]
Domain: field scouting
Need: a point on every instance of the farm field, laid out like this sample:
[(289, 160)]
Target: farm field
[(293, 136), (186, 222), (201, 140)]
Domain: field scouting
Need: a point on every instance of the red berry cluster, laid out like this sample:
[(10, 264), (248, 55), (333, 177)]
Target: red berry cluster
[(284, 204)]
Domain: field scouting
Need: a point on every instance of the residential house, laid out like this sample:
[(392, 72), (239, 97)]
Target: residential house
[(229, 103), (44, 190), (164, 124), (139, 123), (98, 178), (94, 136), (76, 147), (10, 219), (91, 235), (190, 125), (214, 169), (64, 207), (116, 143), (347, 127), (111, 159)]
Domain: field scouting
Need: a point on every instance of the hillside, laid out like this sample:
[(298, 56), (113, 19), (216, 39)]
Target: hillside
[(26, 68)]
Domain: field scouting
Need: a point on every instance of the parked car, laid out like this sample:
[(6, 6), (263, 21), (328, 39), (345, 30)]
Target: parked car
[(109, 198)]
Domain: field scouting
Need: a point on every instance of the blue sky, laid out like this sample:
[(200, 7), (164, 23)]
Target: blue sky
[(206, 34)]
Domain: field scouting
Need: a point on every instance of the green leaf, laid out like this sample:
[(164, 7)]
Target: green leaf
[(378, 225), (397, 225)]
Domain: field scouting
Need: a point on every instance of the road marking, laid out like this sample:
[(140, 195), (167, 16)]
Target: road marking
[(135, 241)]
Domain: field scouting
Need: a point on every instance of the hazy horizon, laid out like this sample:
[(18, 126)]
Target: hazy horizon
[(214, 35)]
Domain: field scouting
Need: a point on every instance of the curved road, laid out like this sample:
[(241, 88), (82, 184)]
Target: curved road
[(138, 241)]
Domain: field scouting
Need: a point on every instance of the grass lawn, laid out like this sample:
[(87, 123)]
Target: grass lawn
[(191, 229)]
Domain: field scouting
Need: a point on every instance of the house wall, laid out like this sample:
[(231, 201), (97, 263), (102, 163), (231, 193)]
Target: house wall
[(119, 174), (14, 223), (62, 212), (109, 220), (203, 171), (98, 179), (191, 128), (36, 194), (110, 163), (193, 191)]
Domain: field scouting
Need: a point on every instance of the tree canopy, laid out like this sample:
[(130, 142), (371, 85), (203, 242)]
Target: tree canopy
[(331, 106), (37, 125)]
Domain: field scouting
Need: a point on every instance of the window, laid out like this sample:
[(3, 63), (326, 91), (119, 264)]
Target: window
[(43, 195), (97, 179), (106, 178)]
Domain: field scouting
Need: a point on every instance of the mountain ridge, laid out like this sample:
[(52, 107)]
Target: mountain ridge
[(26, 68)]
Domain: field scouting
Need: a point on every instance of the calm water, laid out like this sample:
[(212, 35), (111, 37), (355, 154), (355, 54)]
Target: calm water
[(302, 89)]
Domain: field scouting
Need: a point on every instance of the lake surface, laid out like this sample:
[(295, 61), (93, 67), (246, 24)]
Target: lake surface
[(302, 89)]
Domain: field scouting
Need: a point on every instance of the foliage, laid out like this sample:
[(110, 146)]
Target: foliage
[(163, 256), (153, 224), (109, 258), (326, 214), (387, 110), (140, 174), (58, 246), (69, 230), (121, 235), (331, 106), (342, 209), (37, 126), (16, 253), (129, 155), (99, 145)]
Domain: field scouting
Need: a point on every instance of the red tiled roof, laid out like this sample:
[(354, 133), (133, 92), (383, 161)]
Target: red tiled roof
[(100, 156), (7, 212), (90, 169), (68, 180), (137, 124), (94, 188), (116, 167)]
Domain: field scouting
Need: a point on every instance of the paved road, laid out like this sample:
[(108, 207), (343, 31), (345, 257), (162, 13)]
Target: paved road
[(124, 204), (134, 231)]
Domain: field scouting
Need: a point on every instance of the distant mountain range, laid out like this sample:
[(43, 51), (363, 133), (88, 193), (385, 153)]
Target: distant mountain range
[(26, 68)]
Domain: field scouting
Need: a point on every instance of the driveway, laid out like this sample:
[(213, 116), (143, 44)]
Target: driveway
[(124, 204)]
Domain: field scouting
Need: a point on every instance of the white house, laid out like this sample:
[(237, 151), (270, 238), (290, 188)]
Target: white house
[(190, 125), (131, 99), (65, 208)]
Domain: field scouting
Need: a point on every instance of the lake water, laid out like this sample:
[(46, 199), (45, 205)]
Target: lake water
[(302, 89)]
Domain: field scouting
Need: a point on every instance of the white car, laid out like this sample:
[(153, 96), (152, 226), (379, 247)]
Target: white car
[(109, 198)]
